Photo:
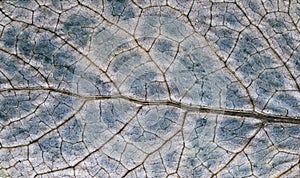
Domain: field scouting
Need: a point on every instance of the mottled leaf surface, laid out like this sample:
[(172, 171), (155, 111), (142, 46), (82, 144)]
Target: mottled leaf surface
[(160, 88)]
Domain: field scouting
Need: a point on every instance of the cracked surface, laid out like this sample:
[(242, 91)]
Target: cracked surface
[(173, 88)]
